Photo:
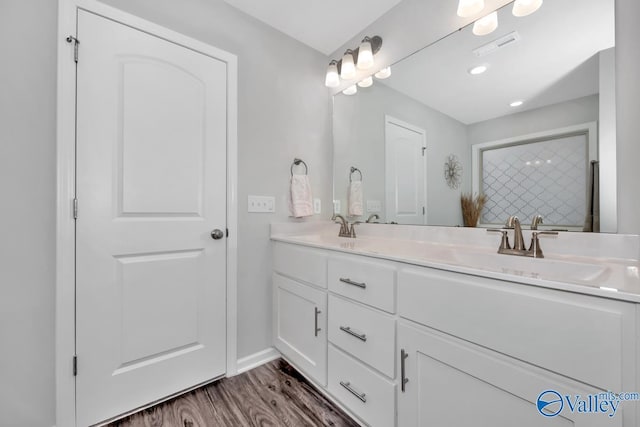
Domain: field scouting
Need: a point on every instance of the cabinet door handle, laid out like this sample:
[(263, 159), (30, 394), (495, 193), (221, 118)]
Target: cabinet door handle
[(347, 329), (316, 329), (403, 379), (351, 282), (361, 396)]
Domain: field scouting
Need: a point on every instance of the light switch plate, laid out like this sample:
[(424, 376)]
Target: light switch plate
[(336, 206), (261, 204), (317, 206)]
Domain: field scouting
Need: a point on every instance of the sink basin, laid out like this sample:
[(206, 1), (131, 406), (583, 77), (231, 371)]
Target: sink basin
[(542, 268)]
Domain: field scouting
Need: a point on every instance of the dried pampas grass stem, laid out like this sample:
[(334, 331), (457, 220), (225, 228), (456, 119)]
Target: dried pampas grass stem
[(472, 208)]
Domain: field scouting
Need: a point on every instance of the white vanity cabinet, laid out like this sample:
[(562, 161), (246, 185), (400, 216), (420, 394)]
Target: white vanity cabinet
[(405, 345), (481, 351), (300, 309), (450, 382)]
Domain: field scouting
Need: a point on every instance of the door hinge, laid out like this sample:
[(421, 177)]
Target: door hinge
[(75, 208), (227, 232), (423, 148), (75, 366), (76, 42), (424, 210)]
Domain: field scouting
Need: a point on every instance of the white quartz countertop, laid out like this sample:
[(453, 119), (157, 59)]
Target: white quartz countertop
[(601, 265)]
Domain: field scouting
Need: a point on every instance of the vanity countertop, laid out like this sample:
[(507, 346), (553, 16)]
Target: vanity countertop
[(595, 264)]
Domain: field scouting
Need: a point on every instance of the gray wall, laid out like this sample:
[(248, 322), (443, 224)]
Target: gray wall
[(628, 114), (581, 110), (284, 111), (27, 187), (359, 140)]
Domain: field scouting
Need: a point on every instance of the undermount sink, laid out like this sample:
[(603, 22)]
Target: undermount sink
[(542, 268)]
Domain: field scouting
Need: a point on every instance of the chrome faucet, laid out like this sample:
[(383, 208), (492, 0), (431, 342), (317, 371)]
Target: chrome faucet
[(537, 220), (518, 240), (513, 223), (344, 225), (372, 217)]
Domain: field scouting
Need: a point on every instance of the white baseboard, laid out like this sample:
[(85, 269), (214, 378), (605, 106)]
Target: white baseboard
[(257, 359)]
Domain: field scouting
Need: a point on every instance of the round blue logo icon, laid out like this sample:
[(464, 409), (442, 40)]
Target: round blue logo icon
[(550, 403)]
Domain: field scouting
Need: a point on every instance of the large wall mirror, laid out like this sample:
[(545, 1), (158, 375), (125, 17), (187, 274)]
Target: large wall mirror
[(524, 131)]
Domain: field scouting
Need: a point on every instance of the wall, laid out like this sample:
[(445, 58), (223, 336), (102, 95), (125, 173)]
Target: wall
[(359, 140), (27, 186), (628, 112), (581, 110), (284, 112)]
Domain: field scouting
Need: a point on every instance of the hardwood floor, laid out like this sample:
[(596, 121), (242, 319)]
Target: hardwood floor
[(274, 394)]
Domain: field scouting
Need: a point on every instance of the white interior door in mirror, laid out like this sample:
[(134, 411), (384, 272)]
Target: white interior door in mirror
[(151, 186), (405, 173)]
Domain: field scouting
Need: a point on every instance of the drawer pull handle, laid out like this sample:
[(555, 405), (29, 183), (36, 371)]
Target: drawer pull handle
[(403, 379), (347, 329), (361, 396), (316, 329), (351, 282)]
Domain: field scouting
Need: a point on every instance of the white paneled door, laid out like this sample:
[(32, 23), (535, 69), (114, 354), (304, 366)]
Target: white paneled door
[(405, 173), (151, 189)]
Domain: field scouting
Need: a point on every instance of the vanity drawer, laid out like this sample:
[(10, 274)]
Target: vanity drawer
[(365, 393), (368, 282), (367, 334), (574, 335), (302, 263)]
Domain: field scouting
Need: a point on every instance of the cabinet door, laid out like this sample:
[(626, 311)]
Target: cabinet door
[(299, 326), (454, 383)]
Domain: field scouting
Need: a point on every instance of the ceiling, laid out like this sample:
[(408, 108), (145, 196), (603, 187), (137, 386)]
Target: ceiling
[(324, 25), (554, 61)]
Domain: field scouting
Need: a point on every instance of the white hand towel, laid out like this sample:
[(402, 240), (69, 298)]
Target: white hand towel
[(301, 202), (355, 198)]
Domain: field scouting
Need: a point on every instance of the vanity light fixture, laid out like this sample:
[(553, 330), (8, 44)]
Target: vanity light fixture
[(525, 7), (365, 55), (478, 69), (467, 8), (486, 25), (384, 73), (348, 69), (333, 78), (361, 57), (351, 90), (366, 82), (516, 103)]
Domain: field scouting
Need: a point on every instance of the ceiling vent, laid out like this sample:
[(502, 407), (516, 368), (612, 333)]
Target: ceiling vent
[(504, 41)]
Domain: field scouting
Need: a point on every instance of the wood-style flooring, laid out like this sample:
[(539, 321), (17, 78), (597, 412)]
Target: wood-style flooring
[(274, 394)]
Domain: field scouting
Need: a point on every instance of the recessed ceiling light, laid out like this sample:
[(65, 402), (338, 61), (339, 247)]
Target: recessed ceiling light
[(479, 69), (516, 103)]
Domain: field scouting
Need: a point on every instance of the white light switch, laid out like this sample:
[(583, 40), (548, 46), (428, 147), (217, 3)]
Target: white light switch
[(374, 206), (261, 204), (317, 206), (336, 206)]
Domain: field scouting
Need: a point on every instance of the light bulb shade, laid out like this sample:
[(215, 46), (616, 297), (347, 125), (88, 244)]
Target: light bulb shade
[(333, 78), (467, 8), (366, 82), (525, 7), (351, 90), (348, 68), (486, 25), (365, 55), (384, 73)]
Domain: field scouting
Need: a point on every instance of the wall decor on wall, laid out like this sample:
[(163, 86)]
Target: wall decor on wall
[(453, 171)]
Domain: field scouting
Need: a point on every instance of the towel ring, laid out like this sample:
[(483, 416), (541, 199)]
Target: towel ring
[(354, 169), (296, 162)]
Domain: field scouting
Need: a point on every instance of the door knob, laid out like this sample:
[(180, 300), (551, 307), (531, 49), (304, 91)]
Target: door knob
[(217, 234)]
